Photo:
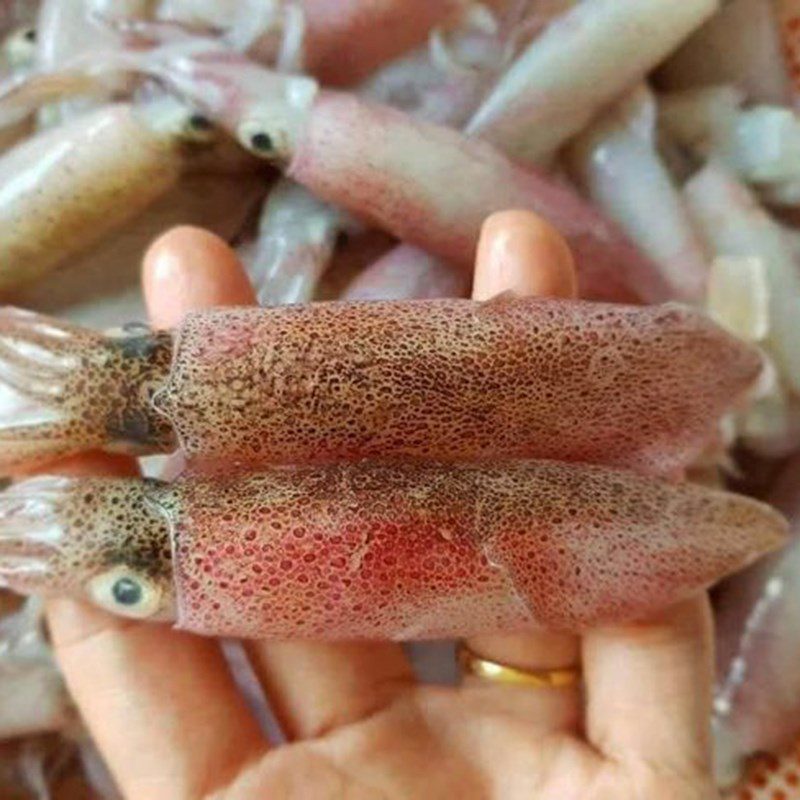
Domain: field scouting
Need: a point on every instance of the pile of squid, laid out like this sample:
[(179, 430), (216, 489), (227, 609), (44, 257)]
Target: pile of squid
[(369, 454)]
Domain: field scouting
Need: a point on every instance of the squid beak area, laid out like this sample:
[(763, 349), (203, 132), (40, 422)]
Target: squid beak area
[(31, 534)]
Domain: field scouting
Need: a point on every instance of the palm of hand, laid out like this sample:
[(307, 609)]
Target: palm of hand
[(468, 742), (172, 724)]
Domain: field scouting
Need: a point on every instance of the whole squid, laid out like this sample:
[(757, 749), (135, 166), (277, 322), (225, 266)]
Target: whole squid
[(640, 387), (64, 189), (370, 550)]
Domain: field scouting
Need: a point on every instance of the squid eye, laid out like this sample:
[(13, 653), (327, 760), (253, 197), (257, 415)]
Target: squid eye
[(198, 128), (260, 139), (123, 591), (127, 592), (20, 47), (262, 142), (197, 122)]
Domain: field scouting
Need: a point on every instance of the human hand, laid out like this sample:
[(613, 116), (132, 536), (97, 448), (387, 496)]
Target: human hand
[(170, 721)]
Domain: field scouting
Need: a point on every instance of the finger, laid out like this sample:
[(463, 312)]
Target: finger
[(160, 703), (317, 687), (188, 269), (649, 689), (312, 686), (521, 252)]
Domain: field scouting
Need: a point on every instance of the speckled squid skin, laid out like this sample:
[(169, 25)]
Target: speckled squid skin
[(768, 777), (453, 380), (639, 387), (65, 389), (57, 533), (430, 550)]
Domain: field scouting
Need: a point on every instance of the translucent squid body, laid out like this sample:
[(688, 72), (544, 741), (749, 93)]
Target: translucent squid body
[(640, 387), (64, 189), (584, 60), (754, 251), (735, 225), (373, 550), (617, 161), (69, 28), (297, 235), (761, 143)]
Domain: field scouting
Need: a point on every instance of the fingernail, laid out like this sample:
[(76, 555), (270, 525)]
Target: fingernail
[(521, 252)]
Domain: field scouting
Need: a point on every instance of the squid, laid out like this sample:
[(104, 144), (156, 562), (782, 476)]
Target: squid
[(320, 36), (64, 189), (583, 61), (639, 387), (68, 28), (369, 550), (585, 58), (314, 36), (406, 272), (740, 232), (296, 237), (733, 224), (761, 144)]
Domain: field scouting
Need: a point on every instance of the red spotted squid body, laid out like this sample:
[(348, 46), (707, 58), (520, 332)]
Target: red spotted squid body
[(637, 387), (373, 550)]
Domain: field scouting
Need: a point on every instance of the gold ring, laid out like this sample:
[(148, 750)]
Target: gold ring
[(472, 664)]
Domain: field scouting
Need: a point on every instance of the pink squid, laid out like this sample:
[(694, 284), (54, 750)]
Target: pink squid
[(446, 380), (371, 550)]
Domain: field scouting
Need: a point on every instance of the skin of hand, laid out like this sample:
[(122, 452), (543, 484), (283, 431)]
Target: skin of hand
[(171, 724)]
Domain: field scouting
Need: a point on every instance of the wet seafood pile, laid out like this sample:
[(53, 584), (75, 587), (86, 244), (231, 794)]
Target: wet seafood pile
[(404, 463)]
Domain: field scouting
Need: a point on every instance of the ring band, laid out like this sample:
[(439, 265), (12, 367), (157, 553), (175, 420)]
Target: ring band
[(472, 664)]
